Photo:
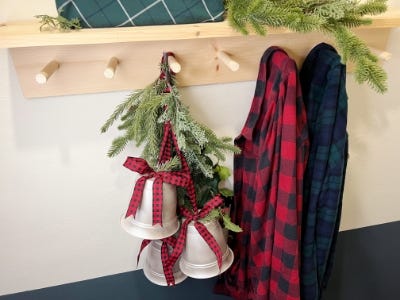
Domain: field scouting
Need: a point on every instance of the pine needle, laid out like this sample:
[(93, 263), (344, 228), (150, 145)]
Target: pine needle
[(333, 17)]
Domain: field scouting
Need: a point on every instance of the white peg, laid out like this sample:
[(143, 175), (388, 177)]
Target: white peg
[(109, 71), (228, 61), (384, 55), (43, 76), (174, 65)]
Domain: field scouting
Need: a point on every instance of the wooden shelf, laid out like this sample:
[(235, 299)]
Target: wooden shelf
[(83, 54), (27, 34)]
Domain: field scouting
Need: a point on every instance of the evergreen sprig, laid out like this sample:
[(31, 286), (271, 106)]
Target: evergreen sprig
[(142, 115), (58, 23), (141, 119), (333, 17)]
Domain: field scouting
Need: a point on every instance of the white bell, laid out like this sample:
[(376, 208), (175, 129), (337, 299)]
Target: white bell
[(153, 268), (142, 224), (198, 260)]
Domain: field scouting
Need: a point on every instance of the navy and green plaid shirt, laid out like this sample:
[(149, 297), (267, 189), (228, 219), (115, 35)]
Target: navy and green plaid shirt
[(268, 179), (323, 79)]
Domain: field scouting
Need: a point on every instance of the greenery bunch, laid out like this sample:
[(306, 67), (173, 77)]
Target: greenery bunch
[(142, 116), (49, 23), (332, 17)]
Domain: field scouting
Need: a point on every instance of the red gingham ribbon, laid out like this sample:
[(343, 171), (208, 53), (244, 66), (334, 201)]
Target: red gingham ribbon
[(201, 228), (140, 166), (165, 154), (167, 267), (166, 147), (166, 75)]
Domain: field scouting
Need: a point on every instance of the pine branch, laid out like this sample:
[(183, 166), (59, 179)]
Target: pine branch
[(328, 16), (118, 111), (367, 67), (142, 117), (117, 146), (49, 23), (197, 163), (353, 21), (373, 74), (372, 7), (171, 165)]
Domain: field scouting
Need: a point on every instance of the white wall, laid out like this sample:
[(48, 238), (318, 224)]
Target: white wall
[(61, 197)]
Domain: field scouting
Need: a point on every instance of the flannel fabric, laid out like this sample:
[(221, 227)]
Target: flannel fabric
[(268, 184), (119, 13), (323, 79)]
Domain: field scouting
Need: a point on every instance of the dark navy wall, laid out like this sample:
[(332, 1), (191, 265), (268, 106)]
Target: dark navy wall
[(126, 286), (367, 264), (367, 267)]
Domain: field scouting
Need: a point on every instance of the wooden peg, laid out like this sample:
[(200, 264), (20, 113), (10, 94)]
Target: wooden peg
[(43, 76), (384, 55), (174, 65), (109, 72), (228, 61)]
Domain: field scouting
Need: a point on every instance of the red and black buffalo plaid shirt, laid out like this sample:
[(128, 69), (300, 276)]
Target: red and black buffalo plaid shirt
[(268, 180)]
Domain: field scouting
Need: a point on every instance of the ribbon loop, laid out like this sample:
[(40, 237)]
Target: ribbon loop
[(138, 165), (142, 246), (136, 198)]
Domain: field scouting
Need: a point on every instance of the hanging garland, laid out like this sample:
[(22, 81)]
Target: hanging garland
[(141, 119), (142, 115), (332, 17)]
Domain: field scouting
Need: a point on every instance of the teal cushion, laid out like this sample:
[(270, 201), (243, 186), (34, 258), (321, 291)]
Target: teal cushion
[(119, 13)]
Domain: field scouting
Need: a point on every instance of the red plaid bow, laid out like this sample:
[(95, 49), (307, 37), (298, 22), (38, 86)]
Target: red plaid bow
[(167, 266), (201, 228), (140, 165)]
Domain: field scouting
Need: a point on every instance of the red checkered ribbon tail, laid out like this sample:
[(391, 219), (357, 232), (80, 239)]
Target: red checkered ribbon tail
[(142, 246), (140, 166), (136, 197), (167, 266), (203, 231), (157, 200), (180, 243), (210, 240)]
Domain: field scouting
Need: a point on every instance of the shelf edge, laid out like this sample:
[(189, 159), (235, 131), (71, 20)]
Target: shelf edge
[(27, 34)]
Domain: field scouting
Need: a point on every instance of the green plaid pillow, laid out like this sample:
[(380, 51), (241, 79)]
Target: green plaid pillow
[(118, 13)]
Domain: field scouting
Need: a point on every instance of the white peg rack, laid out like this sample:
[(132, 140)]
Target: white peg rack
[(109, 59)]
